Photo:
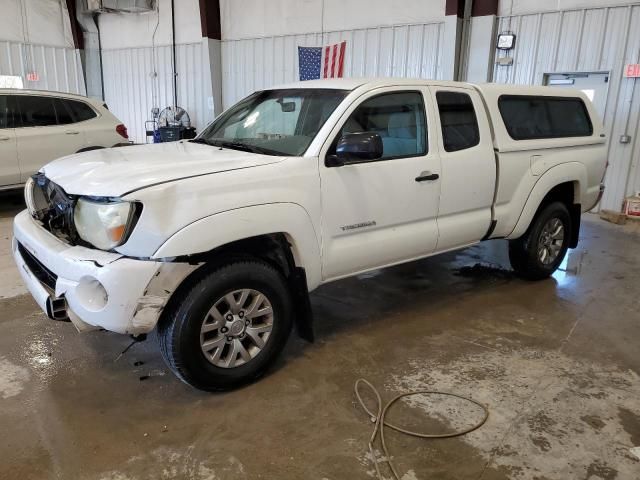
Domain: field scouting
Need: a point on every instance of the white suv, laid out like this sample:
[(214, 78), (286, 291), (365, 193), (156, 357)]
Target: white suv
[(37, 127)]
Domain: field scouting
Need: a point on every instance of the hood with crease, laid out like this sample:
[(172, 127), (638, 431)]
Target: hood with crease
[(112, 172)]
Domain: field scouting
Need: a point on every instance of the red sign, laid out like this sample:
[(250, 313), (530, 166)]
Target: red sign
[(33, 76), (632, 70)]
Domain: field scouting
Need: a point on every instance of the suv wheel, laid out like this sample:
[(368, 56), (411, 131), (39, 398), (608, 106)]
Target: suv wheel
[(540, 251), (229, 327)]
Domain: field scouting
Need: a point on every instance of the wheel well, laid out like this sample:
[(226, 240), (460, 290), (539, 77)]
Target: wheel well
[(274, 249), (567, 193), (564, 192)]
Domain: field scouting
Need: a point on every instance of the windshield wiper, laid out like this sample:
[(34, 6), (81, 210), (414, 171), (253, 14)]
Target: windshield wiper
[(202, 141), (245, 147), (239, 146)]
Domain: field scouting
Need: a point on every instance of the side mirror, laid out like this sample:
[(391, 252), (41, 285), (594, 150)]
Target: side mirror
[(287, 107), (356, 148)]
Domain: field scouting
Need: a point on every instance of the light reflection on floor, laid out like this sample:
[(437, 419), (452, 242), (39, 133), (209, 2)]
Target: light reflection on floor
[(570, 267)]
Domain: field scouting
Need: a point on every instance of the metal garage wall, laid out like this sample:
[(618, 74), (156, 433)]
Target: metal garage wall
[(586, 40), (130, 88), (390, 51), (59, 68)]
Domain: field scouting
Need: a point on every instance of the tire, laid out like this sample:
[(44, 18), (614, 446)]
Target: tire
[(180, 331), (526, 253)]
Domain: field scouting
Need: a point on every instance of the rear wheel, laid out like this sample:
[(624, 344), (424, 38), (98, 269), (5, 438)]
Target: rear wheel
[(540, 251), (229, 327)]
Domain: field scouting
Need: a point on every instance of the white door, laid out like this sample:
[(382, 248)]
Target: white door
[(594, 85), (9, 168), (44, 133), (384, 211), (468, 167)]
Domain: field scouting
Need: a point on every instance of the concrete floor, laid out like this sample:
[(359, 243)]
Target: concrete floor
[(557, 363)]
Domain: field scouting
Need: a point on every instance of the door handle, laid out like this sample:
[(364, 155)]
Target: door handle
[(72, 132), (424, 176), (4, 139)]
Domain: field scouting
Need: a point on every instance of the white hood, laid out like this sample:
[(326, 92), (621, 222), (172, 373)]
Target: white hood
[(113, 172)]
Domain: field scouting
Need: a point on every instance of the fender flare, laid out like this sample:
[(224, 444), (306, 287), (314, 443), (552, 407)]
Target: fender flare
[(229, 226), (574, 172)]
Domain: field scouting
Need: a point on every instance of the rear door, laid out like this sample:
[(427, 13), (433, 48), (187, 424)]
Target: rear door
[(384, 211), (9, 168), (46, 132), (468, 167)]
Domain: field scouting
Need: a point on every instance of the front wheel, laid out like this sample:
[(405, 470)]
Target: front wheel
[(540, 251), (229, 327)]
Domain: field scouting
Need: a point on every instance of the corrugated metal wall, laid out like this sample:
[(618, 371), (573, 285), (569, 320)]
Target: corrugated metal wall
[(393, 51), (59, 68), (586, 40), (131, 90)]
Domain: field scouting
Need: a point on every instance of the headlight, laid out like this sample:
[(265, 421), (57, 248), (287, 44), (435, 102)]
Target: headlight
[(28, 196), (104, 224)]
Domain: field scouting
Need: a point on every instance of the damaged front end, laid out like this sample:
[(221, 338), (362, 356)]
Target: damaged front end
[(50, 205), (71, 279)]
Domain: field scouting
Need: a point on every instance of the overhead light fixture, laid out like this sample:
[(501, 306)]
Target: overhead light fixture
[(506, 41)]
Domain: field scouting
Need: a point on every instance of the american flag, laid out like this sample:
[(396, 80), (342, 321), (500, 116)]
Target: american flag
[(321, 62)]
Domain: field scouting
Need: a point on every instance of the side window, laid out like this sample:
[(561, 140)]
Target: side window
[(80, 110), (458, 120), (37, 111), (529, 118), (63, 113), (398, 118), (4, 111)]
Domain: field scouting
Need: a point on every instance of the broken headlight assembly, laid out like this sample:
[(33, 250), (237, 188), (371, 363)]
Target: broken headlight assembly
[(105, 223)]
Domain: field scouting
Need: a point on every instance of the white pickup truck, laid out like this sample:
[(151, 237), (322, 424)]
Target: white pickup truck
[(217, 241)]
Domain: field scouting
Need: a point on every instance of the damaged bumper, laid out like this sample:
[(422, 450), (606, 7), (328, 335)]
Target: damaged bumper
[(92, 288)]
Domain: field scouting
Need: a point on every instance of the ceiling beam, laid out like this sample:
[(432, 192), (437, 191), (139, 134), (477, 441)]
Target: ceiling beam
[(76, 29), (210, 19)]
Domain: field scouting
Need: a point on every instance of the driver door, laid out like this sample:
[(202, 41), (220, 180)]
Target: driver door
[(382, 212)]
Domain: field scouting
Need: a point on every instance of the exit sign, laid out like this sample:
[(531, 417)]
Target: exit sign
[(632, 70)]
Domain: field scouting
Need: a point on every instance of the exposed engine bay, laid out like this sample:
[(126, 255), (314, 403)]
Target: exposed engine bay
[(49, 204)]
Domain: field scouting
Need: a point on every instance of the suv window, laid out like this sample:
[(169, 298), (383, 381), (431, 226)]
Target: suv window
[(36, 111), (458, 121), (7, 111), (63, 113), (398, 118), (80, 110), (528, 117)]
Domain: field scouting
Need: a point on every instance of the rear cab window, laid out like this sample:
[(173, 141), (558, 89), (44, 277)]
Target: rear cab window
[(537, 117), (458, 121)]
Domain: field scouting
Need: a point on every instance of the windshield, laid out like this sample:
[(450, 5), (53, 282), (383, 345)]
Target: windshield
[(274, 122)]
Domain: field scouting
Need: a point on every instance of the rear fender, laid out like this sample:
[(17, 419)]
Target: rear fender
[(574, 172)]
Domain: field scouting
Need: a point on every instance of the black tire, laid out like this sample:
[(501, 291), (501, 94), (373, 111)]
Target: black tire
[(524, 251), (179, 328)]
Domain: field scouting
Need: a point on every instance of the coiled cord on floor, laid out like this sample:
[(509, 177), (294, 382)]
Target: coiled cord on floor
[(380, 421)]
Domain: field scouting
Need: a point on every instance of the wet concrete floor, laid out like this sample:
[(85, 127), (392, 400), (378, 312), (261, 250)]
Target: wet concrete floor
[(557, 363)]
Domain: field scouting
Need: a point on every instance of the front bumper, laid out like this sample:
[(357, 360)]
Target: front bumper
[(95, 289)]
